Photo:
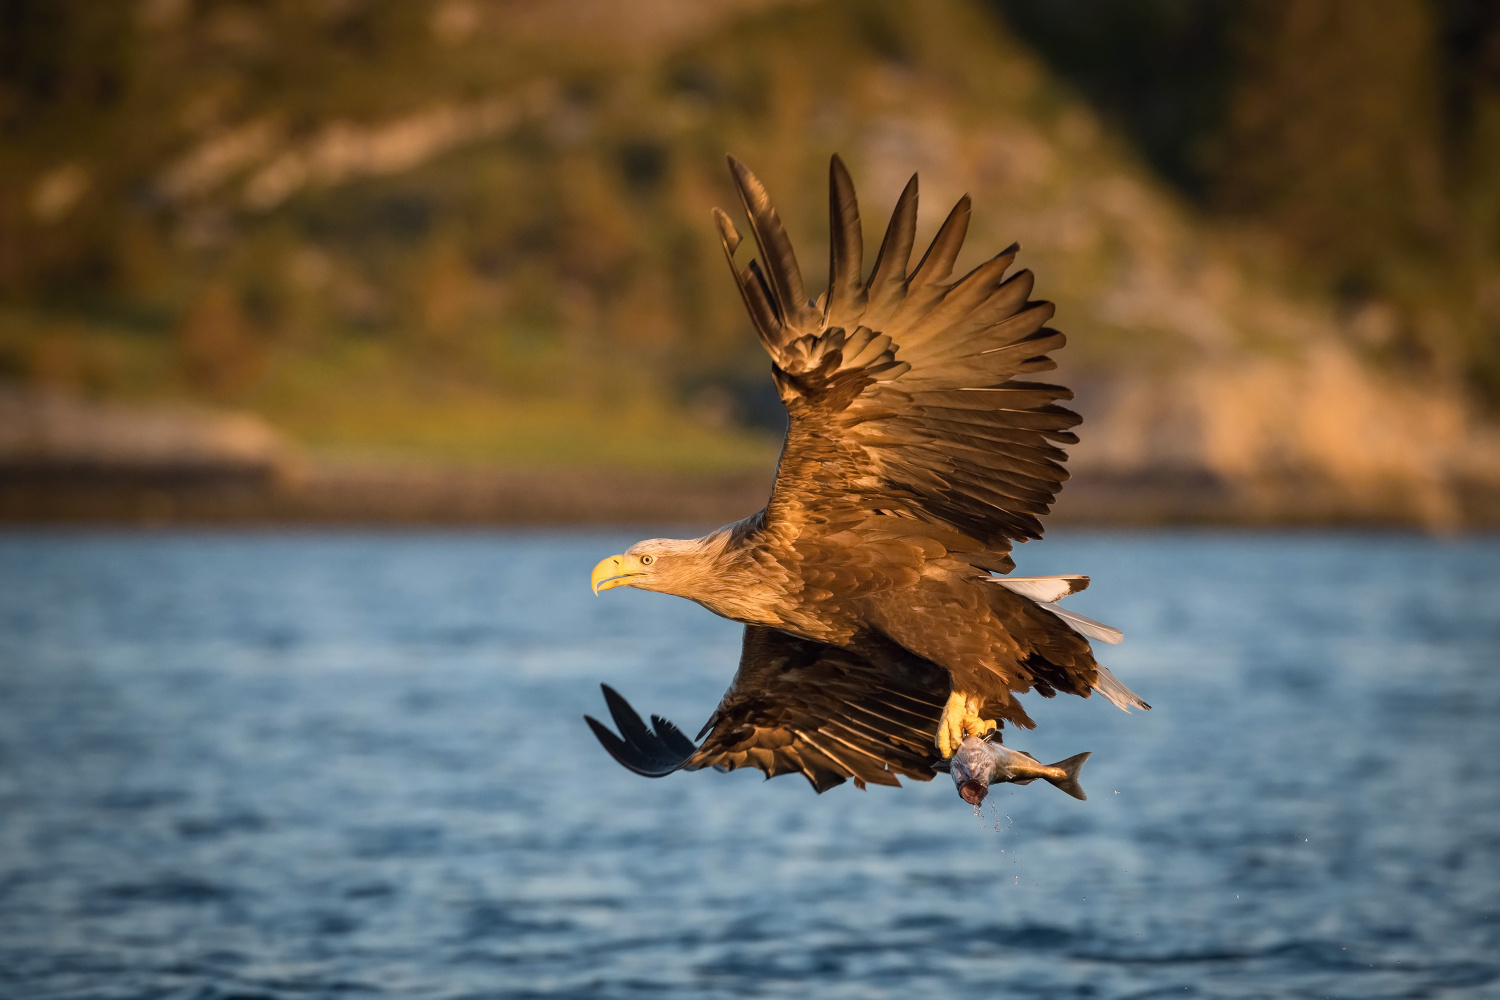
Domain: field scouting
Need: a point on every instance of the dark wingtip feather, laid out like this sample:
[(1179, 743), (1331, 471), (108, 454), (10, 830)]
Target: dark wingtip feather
[(629, 722), (776, 253), (822, 779), (672, 738), (937, 263), (727, 232), (653, 754), (751, 190), (895, 249), (612, 743), (846, 249)]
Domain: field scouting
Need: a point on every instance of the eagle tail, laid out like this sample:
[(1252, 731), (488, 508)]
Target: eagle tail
[(1043, 589), (1118, 694), (1087, 626)]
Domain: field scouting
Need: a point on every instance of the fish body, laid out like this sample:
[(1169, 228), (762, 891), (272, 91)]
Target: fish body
[(980, 763)]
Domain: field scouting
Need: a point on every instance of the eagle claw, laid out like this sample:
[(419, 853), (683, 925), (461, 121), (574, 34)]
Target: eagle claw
[(960, 719)]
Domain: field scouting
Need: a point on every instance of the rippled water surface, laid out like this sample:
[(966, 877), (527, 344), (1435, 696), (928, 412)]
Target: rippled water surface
[(317, 765)]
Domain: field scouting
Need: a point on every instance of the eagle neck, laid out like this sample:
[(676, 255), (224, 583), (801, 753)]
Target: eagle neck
[(730, 581)]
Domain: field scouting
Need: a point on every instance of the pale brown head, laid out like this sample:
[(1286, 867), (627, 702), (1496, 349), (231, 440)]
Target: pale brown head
[(666, 565)]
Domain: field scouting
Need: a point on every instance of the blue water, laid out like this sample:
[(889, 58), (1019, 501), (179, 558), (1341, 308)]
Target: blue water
[(344, 765)]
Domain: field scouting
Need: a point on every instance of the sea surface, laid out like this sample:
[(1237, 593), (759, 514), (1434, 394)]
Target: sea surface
[(288, 765)]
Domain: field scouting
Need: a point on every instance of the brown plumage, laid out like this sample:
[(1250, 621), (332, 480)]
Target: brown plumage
[(918, 451), (798, 706)]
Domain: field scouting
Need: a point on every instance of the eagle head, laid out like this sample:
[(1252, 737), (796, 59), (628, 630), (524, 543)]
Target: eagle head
[(668, 565)]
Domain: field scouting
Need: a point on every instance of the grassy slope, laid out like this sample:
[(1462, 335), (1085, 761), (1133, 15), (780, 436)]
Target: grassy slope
[(550, 291)]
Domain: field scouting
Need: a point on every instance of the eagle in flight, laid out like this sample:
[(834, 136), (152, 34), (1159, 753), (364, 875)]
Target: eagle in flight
[(881, 627)]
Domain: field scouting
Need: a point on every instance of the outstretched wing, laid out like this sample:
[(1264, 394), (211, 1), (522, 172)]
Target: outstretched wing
[(903, 388), (799, 706)]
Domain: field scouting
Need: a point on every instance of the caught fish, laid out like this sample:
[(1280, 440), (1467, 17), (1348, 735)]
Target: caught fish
[(980, 763)]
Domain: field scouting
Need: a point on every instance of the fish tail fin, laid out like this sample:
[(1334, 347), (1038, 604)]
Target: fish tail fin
[(1069, 781)]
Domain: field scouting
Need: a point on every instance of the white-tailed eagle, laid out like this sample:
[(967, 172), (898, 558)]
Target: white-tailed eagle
[(881, 627)]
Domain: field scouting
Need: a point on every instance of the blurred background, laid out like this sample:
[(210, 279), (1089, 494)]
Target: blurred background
[(451, 260), (449, 263)]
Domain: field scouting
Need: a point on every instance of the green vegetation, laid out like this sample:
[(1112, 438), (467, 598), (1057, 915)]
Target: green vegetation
[(478, 232), (1364, 133)]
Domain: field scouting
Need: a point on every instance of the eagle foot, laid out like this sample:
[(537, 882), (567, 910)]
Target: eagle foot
[(960, 719)]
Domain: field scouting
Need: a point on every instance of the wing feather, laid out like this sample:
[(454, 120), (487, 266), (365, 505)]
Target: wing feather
[(906, 393), (785, 277), (846, 249), (799, 706), (936, 265), (888, 280)]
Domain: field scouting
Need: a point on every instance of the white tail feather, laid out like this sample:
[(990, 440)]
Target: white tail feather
[(1119, 695), (1087, 626), (1043, 589), (1046, 591)]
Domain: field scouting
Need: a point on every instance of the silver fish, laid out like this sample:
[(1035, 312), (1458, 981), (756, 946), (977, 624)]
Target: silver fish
[(980, 763)]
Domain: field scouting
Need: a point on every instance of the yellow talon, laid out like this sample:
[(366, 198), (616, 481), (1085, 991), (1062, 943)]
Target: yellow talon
[(950, 732), (973, 724), (960, 719)]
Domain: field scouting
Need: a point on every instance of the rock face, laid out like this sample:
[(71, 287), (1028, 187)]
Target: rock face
[(1317, 438), (64, 458), (53, 432)]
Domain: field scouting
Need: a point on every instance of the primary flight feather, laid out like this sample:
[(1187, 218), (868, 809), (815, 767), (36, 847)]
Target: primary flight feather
[(917, 452)]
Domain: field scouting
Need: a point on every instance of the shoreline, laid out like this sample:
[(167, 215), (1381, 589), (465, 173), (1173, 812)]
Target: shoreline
[(374, 494)]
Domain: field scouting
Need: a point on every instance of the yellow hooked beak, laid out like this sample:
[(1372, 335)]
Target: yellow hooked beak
[(616, 571)]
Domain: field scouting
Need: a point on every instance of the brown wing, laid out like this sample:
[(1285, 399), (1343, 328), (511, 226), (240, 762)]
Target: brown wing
[(799, 706), (903, 388)]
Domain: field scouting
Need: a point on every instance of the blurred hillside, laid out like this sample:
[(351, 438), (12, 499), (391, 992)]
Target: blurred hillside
[(475, 232)]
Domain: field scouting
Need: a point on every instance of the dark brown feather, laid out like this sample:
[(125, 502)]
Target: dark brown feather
[(785, 277), (846, 249), (800, 706), (917, 454), (888, 279), (936, 265)]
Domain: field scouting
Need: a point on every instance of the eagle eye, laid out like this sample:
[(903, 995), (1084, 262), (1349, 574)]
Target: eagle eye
[(647, 560)]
